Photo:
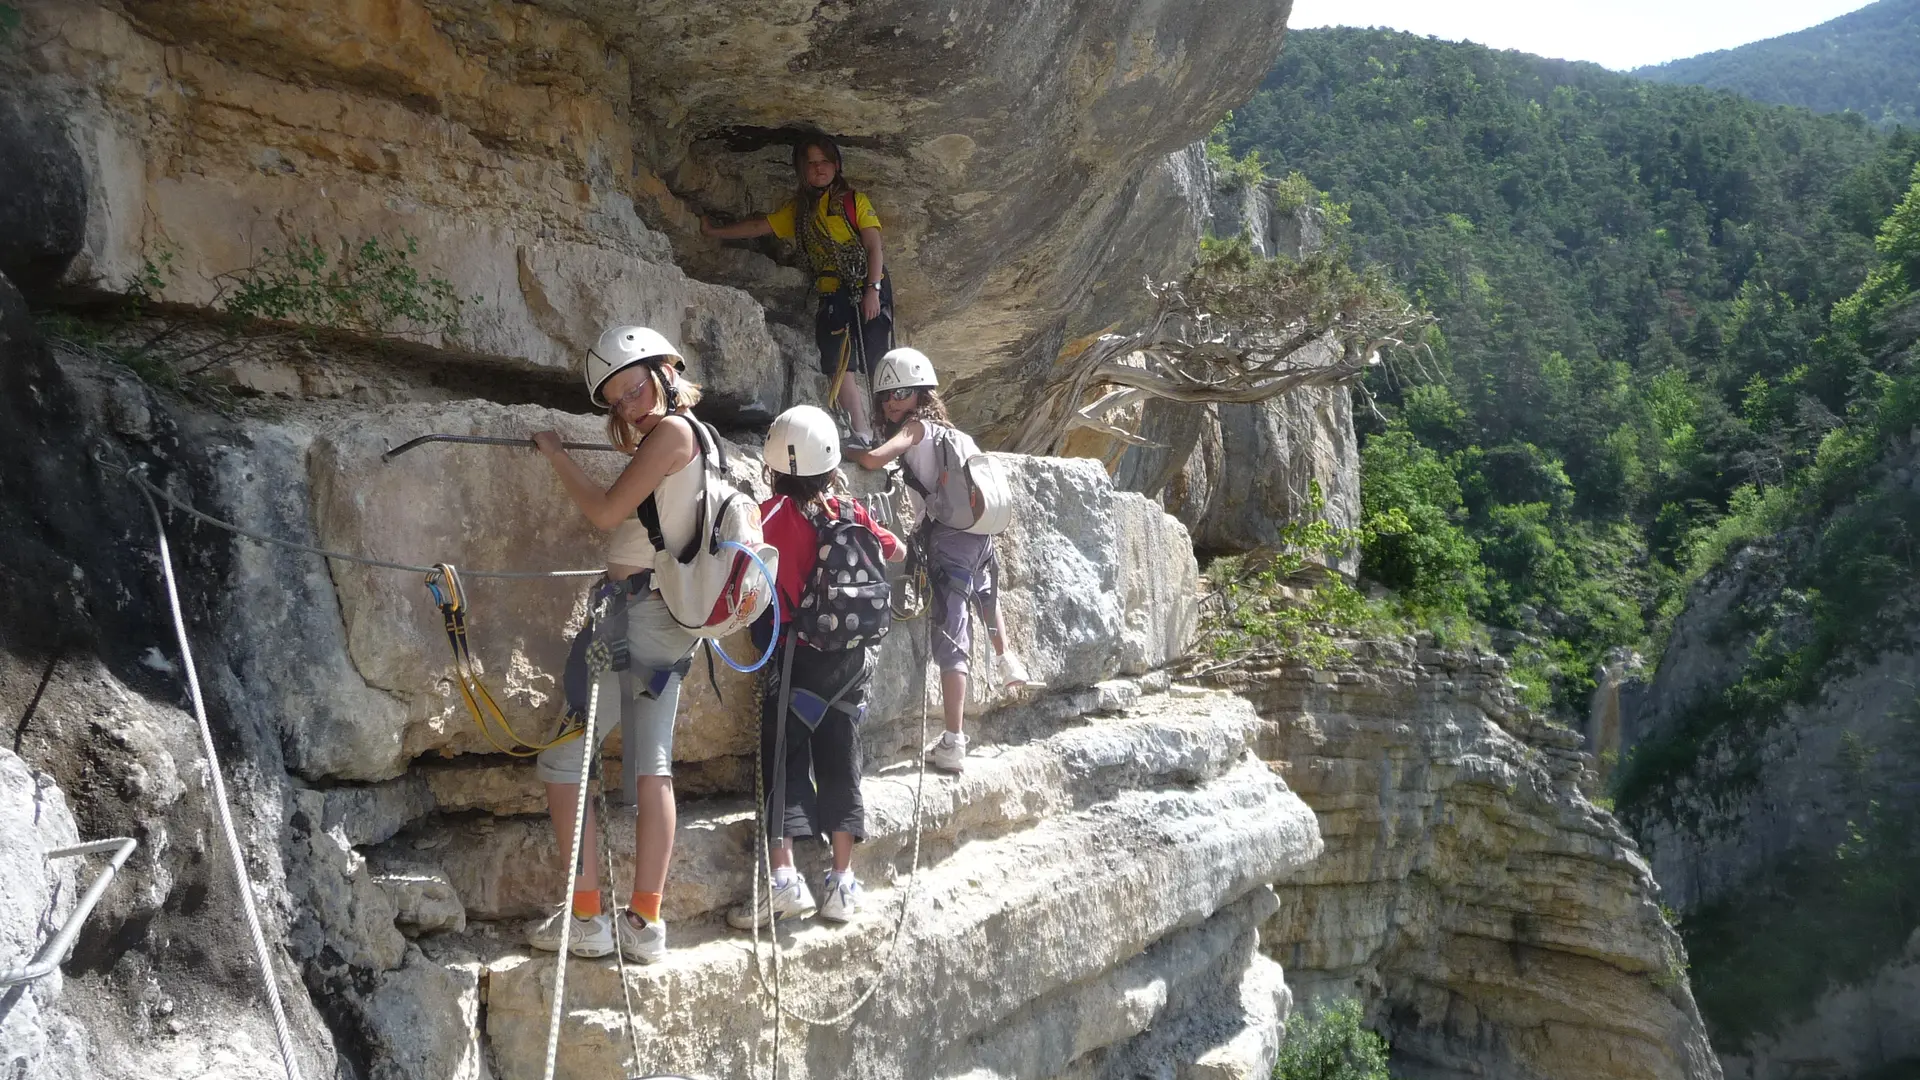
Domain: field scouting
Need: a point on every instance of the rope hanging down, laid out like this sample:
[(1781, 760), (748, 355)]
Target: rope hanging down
[(242, 880), (573, 878), (780, 1008)]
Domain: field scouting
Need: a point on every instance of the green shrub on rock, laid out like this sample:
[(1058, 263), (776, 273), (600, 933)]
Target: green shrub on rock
[(1332, 1043)]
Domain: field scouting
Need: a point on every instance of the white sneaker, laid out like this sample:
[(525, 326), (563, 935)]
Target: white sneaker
[(1013, 673), (788, 900), (589, 938), (949, 754), (842, 893), (640, 940)]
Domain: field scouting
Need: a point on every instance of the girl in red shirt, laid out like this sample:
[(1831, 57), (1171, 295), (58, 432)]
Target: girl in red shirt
[(821, 763)]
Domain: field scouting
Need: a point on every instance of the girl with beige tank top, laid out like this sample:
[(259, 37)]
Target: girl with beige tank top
[(632, 372)]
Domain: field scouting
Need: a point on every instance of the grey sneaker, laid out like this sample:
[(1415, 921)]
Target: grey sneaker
[(950, 753), (842, 892), (789, 900), (589, 938), (640, 940)]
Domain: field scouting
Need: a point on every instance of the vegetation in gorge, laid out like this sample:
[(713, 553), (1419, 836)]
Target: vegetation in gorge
[(1630, 281), (1675, 328), (1837, 550), (1331, 1043), (1278, 604)]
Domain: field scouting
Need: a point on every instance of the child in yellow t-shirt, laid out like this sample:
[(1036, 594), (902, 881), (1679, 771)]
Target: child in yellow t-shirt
[(841, 238)]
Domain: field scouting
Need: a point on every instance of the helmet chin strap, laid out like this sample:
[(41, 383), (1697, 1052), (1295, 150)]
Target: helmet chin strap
[(668, 393)]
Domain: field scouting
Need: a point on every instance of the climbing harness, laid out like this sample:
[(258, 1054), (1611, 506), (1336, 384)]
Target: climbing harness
[(589, 776), (243, 881), (764, 874)]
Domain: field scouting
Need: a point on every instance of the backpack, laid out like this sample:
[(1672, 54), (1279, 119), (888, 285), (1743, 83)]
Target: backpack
[(848, 603), (970, 491), (712, 587)]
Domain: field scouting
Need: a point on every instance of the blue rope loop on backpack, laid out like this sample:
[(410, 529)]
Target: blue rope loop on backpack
[(773, 640)]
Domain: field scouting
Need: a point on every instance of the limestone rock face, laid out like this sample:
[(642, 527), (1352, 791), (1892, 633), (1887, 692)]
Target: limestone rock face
[(1768, 800), (1200, 467), (42, 194), (1497, 923), (397, 891), (1851, 1030), (496, 137), (1811, 768), (956, 998), (542, 156), (40, 893), (1097, 583), (1003, 145), (1304, 441)]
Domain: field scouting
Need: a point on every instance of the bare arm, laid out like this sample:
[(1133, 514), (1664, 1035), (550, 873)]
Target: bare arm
[(870, 294), (909, 434), (666, 449), (876, 259), (739, 230)]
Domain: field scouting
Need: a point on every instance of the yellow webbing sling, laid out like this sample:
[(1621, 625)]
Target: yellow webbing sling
[(444, 584)]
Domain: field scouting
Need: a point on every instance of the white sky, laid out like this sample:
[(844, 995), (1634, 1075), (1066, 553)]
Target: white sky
[(1615, 33)]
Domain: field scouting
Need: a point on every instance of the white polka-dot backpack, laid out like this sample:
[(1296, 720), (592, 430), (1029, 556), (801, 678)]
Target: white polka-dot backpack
[(848, 603)]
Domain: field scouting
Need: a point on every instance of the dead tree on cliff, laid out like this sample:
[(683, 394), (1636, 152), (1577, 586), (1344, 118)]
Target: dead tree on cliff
[(1236, 329)]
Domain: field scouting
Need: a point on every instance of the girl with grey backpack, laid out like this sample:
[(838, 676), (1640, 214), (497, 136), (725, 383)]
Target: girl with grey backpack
[(967, 502)]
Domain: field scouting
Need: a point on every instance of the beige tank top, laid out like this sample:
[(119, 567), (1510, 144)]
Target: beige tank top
[(677, 498)]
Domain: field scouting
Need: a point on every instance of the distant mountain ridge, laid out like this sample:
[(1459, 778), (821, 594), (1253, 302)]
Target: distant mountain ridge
[(1867, 61)]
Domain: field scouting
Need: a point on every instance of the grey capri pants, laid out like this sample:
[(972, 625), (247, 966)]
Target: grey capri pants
[(655, 643)]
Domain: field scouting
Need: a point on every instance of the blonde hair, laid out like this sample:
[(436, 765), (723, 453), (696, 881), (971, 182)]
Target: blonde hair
[(626, 435)]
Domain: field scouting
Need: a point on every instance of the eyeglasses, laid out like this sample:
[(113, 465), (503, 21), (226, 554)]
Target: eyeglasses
[(638, 389), (901, 394)]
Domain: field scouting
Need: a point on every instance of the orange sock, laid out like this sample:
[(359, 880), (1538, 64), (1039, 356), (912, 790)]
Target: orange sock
[(586, 903), (646, 905)]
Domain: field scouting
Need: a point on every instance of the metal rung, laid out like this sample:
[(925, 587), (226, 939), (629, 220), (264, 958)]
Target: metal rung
[(54, 951)]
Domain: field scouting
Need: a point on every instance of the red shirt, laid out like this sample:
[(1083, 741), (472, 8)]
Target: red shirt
[(786, 527)]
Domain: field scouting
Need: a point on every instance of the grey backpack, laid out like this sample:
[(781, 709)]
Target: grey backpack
[(969, 491)]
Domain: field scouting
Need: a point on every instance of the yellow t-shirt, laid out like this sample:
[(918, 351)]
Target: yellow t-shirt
[(830, 217)]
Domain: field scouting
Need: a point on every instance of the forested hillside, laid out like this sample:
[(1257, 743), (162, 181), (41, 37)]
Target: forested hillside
[(1633, 284), (1866, 61)]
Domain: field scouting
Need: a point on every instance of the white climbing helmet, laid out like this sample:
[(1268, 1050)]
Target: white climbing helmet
[(803, 441), (904, 367), (620, 348)]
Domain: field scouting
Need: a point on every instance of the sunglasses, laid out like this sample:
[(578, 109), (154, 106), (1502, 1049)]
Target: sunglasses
[(901, 394)]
